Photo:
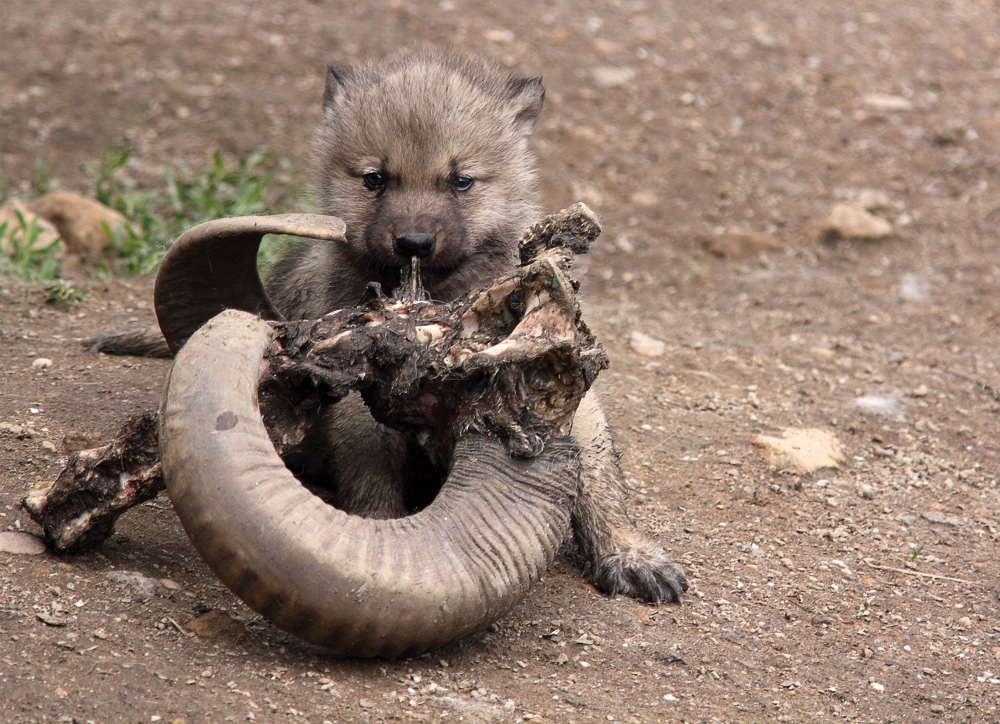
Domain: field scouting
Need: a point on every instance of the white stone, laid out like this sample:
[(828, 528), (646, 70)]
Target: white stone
[(885, 405), (608, 76), (21, 543), (646, 346), (853, 221), (801, 451), (887, 102)]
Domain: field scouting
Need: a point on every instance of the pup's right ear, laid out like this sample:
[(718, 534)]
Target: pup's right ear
[(336, 81)]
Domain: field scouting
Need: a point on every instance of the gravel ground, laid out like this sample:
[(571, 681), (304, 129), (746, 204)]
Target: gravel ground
[(865, 594)]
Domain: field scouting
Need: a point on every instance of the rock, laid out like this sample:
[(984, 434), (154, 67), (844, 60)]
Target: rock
[(874, 200), (55, 614), (83, 222), (646, 346), (612, 77), (736, 243), (887, 102), (801, 451), (11, 429), (940, 518), (853, 221), (41, 363), (14, 233), (912, 288), (885, 405), (143, 587), (23, 544), (217, 626), (499, 35), (645, 198)]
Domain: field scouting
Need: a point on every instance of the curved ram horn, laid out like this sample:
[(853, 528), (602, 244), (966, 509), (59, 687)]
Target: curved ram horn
[(359, 586), (214, 267)]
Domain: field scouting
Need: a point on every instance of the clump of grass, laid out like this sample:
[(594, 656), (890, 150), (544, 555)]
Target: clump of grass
[(63, 292), (25, 257), (157, 216)]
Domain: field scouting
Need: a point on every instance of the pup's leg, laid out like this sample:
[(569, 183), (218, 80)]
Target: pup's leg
[(620, 559), (368, 459)]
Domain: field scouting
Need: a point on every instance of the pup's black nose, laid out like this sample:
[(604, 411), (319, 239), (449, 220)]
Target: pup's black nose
[(418, 245)]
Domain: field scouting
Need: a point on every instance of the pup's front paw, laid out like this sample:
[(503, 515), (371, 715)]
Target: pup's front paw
[(644, 572)]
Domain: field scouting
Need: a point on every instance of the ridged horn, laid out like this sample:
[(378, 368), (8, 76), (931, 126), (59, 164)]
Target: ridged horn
[(214, 267), (359, 586)]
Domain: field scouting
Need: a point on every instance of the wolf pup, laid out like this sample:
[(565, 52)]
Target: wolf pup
[(426, 154)]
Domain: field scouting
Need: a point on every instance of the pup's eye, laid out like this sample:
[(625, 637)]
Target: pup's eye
[(462, 183), (374, 181)]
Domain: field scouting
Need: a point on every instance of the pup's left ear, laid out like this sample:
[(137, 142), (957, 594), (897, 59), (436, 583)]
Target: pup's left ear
[(527, 96)]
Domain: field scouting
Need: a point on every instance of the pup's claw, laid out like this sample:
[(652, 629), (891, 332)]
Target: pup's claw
[(646, 574)]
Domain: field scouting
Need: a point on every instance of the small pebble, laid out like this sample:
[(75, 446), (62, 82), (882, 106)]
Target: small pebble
[(499, 35), (646, 346), (42, 363), (852, 221), (885, 405), (11, 428), (913, 288), (867, 492), (611, 77), (645, 198), (887, 102)]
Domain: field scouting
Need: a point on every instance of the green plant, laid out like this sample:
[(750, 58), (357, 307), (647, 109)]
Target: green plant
[(24, 255), (220, 192), (64, 292), (42, 183), (157, 217), (915, 552), (38, 186), (272, 247)]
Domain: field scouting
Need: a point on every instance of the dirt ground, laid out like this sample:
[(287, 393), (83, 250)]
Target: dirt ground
[(865, 594)]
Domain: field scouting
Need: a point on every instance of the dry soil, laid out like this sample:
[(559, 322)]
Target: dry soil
[(864, 594)]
